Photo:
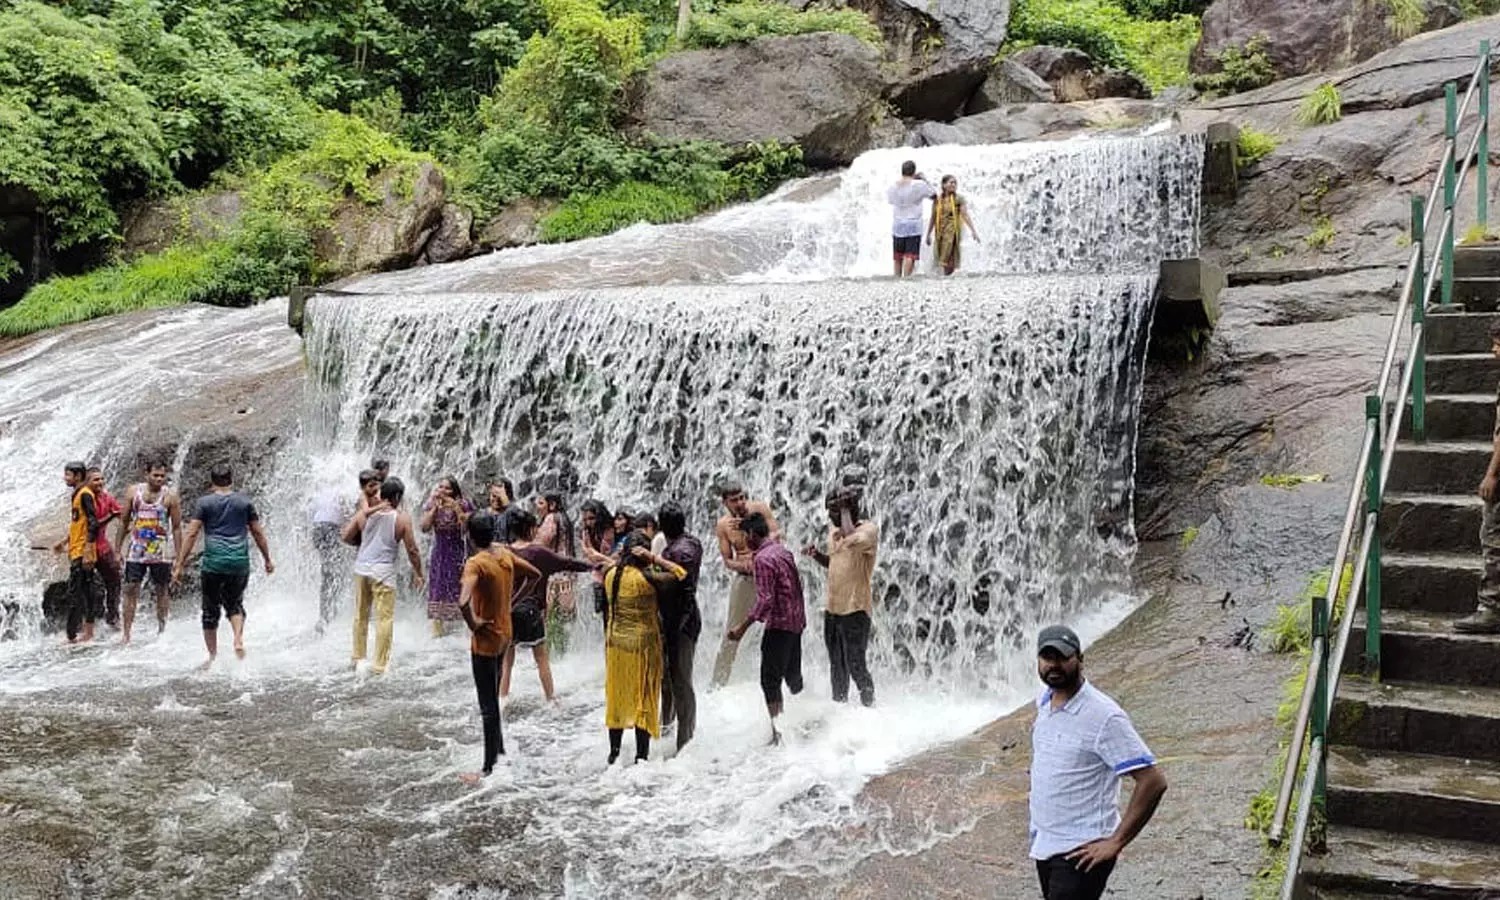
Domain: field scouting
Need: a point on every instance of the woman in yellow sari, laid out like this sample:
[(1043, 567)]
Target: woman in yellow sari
[(949, 214), (632, 644)]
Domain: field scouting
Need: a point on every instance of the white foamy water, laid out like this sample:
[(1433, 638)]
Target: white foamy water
[(994, 414)]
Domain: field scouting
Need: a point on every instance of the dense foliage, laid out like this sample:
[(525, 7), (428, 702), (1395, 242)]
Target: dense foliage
[(750, 19), (1239, 69), (1152, 38)]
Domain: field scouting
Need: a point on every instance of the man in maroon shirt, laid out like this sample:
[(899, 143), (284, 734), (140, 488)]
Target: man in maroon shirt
[(779, 606)]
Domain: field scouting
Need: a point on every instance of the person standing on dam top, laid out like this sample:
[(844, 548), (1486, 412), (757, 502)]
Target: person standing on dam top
[(1081, 743), (906, 197), (1486, 620), (739, 559)]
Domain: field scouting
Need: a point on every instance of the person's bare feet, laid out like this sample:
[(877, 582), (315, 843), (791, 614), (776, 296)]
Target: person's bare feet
[(124, 639), (472, 779), (206, 663), (239, 651)]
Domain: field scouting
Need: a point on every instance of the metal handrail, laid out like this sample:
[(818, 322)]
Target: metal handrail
[(1383, 430)]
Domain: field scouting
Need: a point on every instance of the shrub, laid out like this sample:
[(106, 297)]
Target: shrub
[(1240, 69), (587, 215), (1472, 9), (340, 161), (1291, 626), (1157, 51), (1256, 145), (1322, 234), (751, 19), (1321, 106), (1165, 9), (1406, 17), (569, 79)]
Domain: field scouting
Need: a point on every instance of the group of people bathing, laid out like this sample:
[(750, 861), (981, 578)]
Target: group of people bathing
[(950, 213), (506, 571)]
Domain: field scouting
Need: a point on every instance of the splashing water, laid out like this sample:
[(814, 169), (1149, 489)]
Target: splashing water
[(994, 414)]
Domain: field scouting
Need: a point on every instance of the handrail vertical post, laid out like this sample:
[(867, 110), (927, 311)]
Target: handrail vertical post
[(1482, 177), (1450, 184), (1372, 571), (1418, 317), (1317, 724)]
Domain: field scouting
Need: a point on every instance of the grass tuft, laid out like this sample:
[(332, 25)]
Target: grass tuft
[(1255, 145), (1321, 106)]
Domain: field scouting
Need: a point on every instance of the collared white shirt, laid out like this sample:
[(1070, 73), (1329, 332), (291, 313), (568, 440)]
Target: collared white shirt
[(1078, 753)]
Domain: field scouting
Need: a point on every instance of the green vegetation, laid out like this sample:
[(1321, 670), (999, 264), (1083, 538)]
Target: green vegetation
[(1255, 145), (298, 106), (1288, 480), (1321, 235), (1474, 8), (1291, 625), (1321, 106), (1155, 48), (1189, 535), (1475, 234), (1240, 69), (751, 19), (1406, 17)]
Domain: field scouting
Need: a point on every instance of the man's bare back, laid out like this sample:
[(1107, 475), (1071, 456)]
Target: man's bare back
[(732, 545)]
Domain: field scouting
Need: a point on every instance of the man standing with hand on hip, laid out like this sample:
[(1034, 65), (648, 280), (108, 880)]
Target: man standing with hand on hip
[(1081, 743), (907, 218)]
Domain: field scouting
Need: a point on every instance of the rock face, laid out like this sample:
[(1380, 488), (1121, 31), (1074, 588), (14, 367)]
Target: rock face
[(1307, 35), (820, 90), (452, 239), (1073, 76), (939, 53), (154, 225), (1009, 82), (388, 234), (1035, 121), (518, 225)]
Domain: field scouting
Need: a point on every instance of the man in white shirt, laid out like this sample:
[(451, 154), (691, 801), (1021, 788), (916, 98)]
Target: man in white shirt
[(1081, 743), (906, 197)]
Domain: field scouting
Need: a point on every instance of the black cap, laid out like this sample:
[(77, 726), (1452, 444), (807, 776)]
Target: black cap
[(1060, 638)]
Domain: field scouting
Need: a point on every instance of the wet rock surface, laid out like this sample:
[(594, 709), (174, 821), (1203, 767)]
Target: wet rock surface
[(390, 233)]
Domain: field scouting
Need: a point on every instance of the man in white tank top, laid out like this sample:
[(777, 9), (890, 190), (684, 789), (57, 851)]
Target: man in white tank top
[(150, 532), (378, 531)]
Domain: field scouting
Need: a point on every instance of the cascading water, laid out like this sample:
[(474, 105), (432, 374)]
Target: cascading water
[(994, 415)]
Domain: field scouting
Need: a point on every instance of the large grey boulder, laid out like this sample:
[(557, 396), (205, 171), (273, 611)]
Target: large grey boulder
[(1009, 82), (1073, 76), (452, 239), (821, 91), (151, 226), (387, 234), (1303, 36), (1040, 121)]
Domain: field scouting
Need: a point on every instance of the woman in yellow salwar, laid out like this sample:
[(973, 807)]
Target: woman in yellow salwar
[(632, 644), (949, 214)]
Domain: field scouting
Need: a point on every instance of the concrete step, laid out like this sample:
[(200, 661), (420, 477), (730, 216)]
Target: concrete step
[(1475, 260), (1435, 582), (1462, 373), (1421, 646), (1456, 417), (1436, 796), (1434, 719), (1383, 863), (1438, 467), (1431, 522), (1459, 332), (1476, 293)]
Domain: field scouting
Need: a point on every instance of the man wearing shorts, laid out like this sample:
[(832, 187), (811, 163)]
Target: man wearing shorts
[(779, 604), (149, 530), (227, 519), (906, 198)]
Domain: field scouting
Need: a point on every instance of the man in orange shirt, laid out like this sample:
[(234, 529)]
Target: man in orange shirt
[(484, 599)]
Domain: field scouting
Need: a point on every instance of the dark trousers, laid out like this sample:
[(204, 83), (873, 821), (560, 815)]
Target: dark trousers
[(108, 568), (1061, 880), (677, 697), (847, 637), (487, 686), (331, 570), (780, 661), (84, 600)]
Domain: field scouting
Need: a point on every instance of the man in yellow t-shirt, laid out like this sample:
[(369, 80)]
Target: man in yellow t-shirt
[(84, 598)]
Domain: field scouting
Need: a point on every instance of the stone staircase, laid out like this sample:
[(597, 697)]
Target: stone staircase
[(1414, 761)]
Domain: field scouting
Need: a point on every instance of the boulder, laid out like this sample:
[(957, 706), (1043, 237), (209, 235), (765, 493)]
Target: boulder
[(1073, 76), (1307, 35), (517, 225), (1038, 121), (387, 234), (1009, 82), (937, 53), (152, 226), (452, 238), (821, 91)]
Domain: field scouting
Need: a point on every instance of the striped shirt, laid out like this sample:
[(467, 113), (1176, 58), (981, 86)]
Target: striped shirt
[(1078, 753)]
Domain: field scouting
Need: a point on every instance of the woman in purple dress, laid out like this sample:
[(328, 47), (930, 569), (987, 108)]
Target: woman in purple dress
[(445, 515)]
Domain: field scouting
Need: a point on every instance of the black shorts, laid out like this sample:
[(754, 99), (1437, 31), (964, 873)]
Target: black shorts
[(907, 246), (528, 627), (159, 572), (222, 591), (780, 661)]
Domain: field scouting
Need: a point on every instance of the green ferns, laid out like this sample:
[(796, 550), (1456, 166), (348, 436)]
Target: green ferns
[(1321, 106), (751, 19), (1254, 145), (1406, 17), (1155, 49)]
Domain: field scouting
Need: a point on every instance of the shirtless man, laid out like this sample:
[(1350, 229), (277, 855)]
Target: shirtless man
[(150, 531), (740, 562)]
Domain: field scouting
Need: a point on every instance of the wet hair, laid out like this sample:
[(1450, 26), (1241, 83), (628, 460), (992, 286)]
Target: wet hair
[(673, 520), (602, 520), (623, 513), (908, 168), (221, 475), (510, 491), (844, 495), (948, 178), (76, 468), (627, 558), (452, 483), (756, 524), (481, 530), (729, 489), (520, 524), (564, 522), (154, 464), (643, 522), (367, 476), (380, 465), (94, 470), (392, 490)]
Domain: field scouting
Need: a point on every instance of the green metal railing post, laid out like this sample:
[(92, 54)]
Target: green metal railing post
[(1450, 184), (1372, 570), (1419, 317), (1482, 177)]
